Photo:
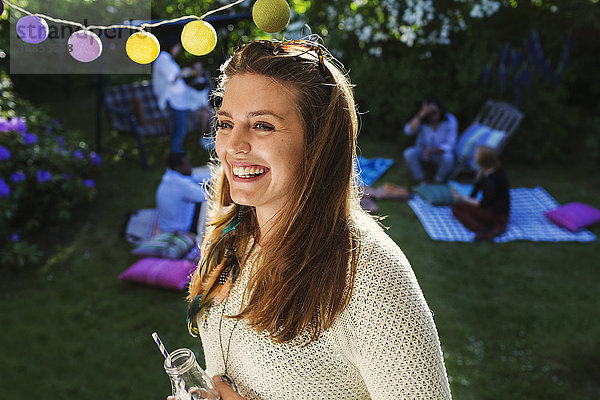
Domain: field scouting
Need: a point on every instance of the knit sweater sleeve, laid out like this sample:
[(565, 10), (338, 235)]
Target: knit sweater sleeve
[(389, 331)]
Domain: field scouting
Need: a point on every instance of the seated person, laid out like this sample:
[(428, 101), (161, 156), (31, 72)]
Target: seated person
[(178, 197), (171, 90), (436, 131), (488, 217)]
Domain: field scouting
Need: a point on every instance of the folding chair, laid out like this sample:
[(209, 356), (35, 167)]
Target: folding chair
[(493, 125), (133, 109)]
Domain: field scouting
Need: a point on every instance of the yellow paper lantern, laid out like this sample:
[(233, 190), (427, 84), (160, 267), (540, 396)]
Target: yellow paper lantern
[(198, 37), (142, 47), (271, 15)]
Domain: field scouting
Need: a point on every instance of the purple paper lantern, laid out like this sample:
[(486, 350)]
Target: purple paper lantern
[(84, 46), (32, 29)]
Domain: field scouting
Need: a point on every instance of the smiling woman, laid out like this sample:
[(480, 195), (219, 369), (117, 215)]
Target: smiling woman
[(260, 143), (299, 293)]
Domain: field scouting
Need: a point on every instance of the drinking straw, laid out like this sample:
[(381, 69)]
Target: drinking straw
[(165, 353), (161, 346)]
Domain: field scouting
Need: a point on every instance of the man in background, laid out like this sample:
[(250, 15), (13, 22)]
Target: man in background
[(179, 197)]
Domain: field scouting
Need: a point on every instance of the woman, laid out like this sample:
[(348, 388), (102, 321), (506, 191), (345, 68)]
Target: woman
[(299, 293), (173, 93), (486, 217), (436, 131)]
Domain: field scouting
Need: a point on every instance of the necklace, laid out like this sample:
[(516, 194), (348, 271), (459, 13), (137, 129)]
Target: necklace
[(224, 377)]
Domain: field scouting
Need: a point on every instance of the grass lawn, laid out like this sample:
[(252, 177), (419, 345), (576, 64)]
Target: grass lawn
[(516, 320)]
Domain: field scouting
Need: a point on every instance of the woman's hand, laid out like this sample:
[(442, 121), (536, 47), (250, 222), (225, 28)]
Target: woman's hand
[(457, 196), (226, 392)]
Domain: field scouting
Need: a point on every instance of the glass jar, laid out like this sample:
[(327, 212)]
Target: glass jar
[(188, 380)]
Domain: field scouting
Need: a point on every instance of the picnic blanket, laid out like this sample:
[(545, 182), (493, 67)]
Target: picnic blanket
[(527, 220), (371, 169)]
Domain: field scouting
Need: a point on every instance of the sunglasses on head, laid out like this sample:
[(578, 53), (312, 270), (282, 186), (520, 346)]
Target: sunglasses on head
[(291, 47)]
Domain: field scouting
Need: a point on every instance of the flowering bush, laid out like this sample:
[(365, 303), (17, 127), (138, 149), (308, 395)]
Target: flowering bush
[(43, 176)]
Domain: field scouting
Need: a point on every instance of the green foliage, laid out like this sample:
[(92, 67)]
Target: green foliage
[(555, 90), (43, 176)]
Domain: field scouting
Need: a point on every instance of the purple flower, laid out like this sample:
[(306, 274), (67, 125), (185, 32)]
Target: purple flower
[(515, 59), (535, 50), (95, 158), (43, 176), (14, 124), (504, 53), (485, 76), (17, 124), (29, 138), (17, 177), (501, 78), (4, 189), (14, 237), (4, 153), (89, 183), (78, 154)]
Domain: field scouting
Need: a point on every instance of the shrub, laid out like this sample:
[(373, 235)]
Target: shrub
[(44, 175)]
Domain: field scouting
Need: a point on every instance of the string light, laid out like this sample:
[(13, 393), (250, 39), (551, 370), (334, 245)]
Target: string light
[(84, 46), (197, 37), (271, 15), (32, 29), (142, 47)]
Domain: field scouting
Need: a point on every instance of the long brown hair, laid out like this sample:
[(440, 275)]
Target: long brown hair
[(304, 274)]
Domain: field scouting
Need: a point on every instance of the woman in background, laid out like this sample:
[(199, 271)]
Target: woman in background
[(486, 217)]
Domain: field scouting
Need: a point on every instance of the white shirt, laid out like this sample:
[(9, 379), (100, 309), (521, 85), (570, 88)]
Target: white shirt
[(175, 92), (444, 137), (383, 346), (176, 198)]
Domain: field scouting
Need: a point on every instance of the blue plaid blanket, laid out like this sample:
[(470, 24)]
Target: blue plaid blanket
[(527, 220)]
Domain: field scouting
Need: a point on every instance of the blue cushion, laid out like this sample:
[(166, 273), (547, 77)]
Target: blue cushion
[(435, 194), (477, 135)]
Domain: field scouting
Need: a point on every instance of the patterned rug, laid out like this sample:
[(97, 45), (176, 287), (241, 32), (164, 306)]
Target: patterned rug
[(527, 220)]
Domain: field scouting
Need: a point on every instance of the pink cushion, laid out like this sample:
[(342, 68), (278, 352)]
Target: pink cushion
[(574, 216), (172, 274)]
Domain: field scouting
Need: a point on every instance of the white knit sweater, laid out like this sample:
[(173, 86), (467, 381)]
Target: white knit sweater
[(384, 345)]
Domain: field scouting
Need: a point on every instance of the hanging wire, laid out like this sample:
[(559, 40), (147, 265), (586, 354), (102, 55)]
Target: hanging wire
[(107, 27)]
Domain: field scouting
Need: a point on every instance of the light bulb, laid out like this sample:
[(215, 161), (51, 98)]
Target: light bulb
[(142, 47), (271, 15), (32, 29), (84, 46), (198, 37)]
